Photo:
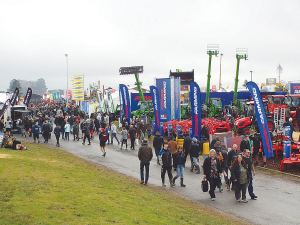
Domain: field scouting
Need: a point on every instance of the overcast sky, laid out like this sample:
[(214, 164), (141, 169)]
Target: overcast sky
[(103, 35)]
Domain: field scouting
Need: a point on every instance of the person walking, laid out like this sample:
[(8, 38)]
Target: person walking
[(113, 130), (67, 131), (231, 157), (173, 148), (75, 131), (157, 144), (245, 144), (45, 131), (103, 138), (132, 133), (145, 155), (86, 134), (194, 154), (124, 137), (62, 129), (212, 172), (251, 172), (143, 129), (166, 164), (8, 126), (35, 132), (240, 176), (57, 134), (149, 128), (178, 162)]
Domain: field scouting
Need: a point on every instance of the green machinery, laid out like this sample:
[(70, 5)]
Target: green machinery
[(146, 107), (241, 53), (213, 106)]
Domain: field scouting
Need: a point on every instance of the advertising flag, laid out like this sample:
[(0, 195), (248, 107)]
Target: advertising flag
[(177, 98), (196, 110), (27, 97), (261, 119), (4, 108), (14, 97), (156, 107), (164, 88), (126, 101)]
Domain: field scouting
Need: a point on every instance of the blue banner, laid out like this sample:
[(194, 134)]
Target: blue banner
[(126, 101), (136, 100), (177, 98), (196, 110), (156, 107), (294, 88), (261, 120), (164, 89)]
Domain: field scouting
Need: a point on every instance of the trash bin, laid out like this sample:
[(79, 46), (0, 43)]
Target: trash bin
[(287, 149)]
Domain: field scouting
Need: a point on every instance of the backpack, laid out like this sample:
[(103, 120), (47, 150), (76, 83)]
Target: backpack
[(104, 137)]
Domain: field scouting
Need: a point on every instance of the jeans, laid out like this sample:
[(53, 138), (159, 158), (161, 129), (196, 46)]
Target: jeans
[(19, 130), (143, 135), (71, 128), (146, 165), (114, 135), (149, 133), (195, 161), (157, 152), (250, 187), (132, 142), (62, 134), (67, 135), (205, 156), (180, 171)]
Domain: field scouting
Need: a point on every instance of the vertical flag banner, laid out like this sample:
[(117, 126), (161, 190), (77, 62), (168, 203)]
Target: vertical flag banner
[(164, 89), (261, 120), (14, 97), (4, 108), (126, 101), (177, 98), (77, 85), (156, 107), (27, 97), (196, 110)]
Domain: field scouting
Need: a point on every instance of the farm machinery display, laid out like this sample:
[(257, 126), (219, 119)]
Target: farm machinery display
[(146, 107)]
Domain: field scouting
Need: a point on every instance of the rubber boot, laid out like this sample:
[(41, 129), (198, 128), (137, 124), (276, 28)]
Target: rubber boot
[(163, 182), (171, 183), (198, 169), (181, 183)]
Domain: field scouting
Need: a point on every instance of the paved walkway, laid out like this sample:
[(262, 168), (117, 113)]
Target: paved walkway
[(278, 196)]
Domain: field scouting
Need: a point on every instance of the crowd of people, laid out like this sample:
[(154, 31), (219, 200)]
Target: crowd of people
[(235, 166)]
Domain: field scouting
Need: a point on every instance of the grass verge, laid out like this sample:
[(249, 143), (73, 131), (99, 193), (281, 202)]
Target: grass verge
[(49, 186)]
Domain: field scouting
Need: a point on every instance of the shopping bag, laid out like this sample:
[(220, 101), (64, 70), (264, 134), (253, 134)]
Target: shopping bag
[(204, 185), (136, 142)]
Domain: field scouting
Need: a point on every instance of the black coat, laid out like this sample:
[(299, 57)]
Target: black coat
[(177, 158), (236, 172), (194, 150), (244, 145), (158, 141), (207, 167), (187, 145)]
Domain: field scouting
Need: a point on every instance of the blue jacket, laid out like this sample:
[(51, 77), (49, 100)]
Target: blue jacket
[(35, 129)]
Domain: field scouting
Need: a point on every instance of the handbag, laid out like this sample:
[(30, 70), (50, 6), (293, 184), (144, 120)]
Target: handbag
[(204, 185)]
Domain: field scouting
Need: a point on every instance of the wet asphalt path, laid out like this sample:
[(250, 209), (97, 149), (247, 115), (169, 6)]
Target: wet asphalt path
[(278, 196)]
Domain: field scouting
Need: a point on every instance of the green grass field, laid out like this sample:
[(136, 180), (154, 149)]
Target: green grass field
[(49, 186)]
